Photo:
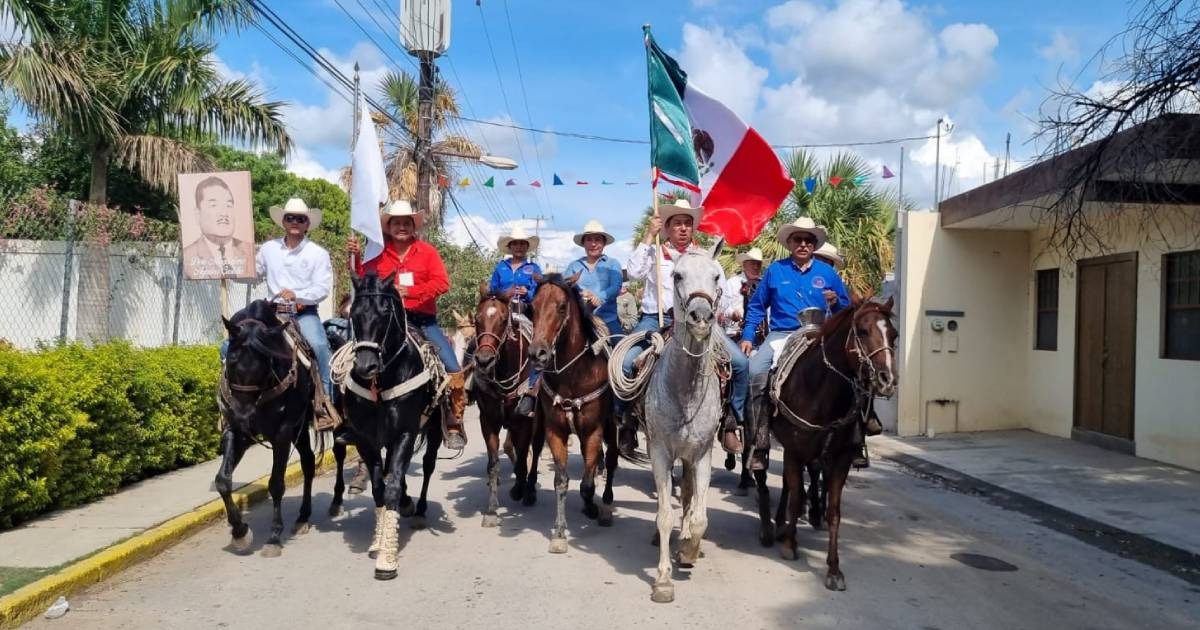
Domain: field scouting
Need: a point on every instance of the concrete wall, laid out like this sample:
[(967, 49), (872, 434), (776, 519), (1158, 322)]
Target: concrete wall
[(1000, 381), (975, 370)]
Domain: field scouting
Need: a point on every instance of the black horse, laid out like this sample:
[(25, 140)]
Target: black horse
[(381, 417), (264, 391)]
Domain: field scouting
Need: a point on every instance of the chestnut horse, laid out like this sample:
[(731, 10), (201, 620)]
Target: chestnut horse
[(831, 387), (501, 371), (574, 396)]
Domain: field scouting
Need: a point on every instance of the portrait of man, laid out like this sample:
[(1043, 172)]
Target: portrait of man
[(215, 225)]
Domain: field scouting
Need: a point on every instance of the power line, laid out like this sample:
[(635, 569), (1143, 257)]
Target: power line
[(525, 97), (503, 93)]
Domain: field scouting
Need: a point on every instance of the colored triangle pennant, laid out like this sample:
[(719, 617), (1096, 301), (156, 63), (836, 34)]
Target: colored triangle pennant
[(536, 184), (834, 181), (860, 180), (466, 181), (511, 182), (490, 183), (887, 172), (810, 185), (557, 181), (605, 183), (443, 181), (580, 182)]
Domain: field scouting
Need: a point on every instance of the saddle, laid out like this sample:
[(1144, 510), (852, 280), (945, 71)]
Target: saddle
[(325, 414), (433, 375)]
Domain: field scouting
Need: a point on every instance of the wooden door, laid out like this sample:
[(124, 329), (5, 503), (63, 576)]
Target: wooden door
[(1106, 324)]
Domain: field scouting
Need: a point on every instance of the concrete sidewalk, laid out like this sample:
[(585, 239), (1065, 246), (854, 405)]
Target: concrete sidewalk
[(59, 537), (1140, 496)]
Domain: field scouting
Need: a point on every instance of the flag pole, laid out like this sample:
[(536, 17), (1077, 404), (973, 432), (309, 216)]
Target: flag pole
[(357, 114), (657, 252)]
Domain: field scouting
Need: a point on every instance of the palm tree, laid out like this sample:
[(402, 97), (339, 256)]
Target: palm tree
[(398, 94), (134, 81)]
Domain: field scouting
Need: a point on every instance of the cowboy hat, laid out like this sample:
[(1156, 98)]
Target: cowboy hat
[(829, 253), (754, 254), (400, 208), (803, 224), (295, 205), (593, 227), (517, 234), (681, 206)]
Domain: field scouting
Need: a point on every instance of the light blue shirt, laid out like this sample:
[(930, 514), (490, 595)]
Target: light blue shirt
[(504, 278), (604, 281), (785, 289)]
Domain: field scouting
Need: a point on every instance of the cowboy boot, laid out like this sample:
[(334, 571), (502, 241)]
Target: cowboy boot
[(874, 426), (525, 407), (759, 420), (859, 444), (729, 440), (456, 438), (359, 482)]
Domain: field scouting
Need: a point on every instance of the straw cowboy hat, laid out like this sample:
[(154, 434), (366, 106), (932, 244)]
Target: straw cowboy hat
[(593, 227), (295, 205), (754, 254), (401, 208), (681, 206), (518, 234), (830, 253), (803, 224)]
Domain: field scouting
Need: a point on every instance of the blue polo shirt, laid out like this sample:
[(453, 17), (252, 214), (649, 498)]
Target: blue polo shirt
[(786, 290), (503, 277), (605, 282)]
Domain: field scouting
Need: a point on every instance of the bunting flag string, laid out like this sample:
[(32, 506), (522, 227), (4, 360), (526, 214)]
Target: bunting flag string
[(557, 181), (490, 183), (834, 181), (466, 181), (810, 183)]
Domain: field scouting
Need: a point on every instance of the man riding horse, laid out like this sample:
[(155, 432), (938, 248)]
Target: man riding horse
[(518, 274)]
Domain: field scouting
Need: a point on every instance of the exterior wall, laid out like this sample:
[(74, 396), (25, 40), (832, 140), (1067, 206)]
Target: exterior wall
[(978, 368), (1166, 392)]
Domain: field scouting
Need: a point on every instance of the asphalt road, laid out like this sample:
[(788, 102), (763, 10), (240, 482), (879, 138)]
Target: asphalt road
[(901, 537)]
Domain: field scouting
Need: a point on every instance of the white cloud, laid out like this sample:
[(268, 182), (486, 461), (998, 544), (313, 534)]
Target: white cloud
[(1062, 48), (555, 251), (302, 163), (712, 58)]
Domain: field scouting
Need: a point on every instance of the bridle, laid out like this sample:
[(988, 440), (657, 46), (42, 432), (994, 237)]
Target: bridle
[(712, 303), (553, 343), (393, 321), (865, 371), (511, 383)]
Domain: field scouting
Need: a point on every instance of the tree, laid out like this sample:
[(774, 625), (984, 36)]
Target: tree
[(398, 95), (1150, 69), (135, 82)]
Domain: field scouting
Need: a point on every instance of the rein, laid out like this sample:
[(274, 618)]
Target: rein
[(571, 407), (509, 387)]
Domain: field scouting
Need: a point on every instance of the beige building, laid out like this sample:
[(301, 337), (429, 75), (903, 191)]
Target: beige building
[(999, 330)]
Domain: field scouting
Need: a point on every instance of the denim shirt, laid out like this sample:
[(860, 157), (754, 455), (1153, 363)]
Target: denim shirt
[(504, 278), (785, 289), (605, 282)]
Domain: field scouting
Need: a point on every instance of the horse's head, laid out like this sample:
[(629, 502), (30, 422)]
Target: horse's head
[(554, 306), (254, 348), (493, 325), (697, 279), (380, 325), (874, 341)]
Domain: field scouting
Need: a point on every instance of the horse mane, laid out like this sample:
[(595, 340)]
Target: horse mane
[(831, 324), (257, 335), (260, 310), (589, 325)]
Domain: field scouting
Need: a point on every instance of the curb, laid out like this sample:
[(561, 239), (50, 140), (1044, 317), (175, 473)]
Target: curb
[(32, 599), (1178, 562)]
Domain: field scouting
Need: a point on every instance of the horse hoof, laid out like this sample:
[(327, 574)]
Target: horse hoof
[(491, 520), (558, 545), (271, 550), (606, 517), (766, 535), (517, 493), (663, 594), (381, 574), (417, 522), (835, 582), (789, 553), (591, 511), (335, 509), (530, 498), (741, 491), (407, 509), (730, 461), (301, 528), (242, 545)]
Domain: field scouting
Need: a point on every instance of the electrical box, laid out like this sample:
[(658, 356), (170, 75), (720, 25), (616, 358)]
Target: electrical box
[(944, 328)]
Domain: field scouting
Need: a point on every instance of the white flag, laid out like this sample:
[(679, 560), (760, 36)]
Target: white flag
[(368, 186)]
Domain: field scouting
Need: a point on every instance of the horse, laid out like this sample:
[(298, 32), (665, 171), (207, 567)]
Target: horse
[(390, 403), (574, 396), (683, 411), (502, 372), (264, 391), (830, 387)]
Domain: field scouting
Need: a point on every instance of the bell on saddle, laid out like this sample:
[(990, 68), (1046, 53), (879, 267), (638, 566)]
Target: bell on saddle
[(811, 319)]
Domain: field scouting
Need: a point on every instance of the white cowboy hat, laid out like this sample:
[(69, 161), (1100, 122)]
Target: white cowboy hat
[(803, 224), (593, 227), (829, 253), (518, 234), (401, 208), (754, 254), (681, 206), (295, 205)]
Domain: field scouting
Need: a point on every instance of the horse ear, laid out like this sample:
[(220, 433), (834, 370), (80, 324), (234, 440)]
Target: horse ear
[(390, 279), (575, 278), (717, 247), (233, 330), (483, 289), (856, 299), (539, 278), (891, 301)]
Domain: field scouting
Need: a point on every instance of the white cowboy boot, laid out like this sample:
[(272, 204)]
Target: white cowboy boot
[(377, 539), (388, 560)]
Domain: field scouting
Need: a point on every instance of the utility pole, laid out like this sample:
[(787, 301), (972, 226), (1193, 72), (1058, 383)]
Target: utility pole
[(537, 226), (996, 169), (901, 176), (425, 31), (424, 131), (937, 165), (1007, 143)]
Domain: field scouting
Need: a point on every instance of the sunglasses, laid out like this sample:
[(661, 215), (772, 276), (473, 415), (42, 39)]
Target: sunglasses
[(295, 218), (803, 240)]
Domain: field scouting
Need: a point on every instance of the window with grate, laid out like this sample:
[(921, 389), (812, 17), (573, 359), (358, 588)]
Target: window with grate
[(1046, 335), (1181, 306)]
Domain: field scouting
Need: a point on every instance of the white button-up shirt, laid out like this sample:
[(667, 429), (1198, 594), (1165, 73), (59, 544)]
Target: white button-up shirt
[(732, 302), (641, 267), (305, 270)]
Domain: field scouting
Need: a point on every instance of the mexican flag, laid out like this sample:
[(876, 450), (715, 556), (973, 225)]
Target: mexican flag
[(700, 145)]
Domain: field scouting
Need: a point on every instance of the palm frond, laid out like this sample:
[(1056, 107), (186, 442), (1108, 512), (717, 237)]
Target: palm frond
[(236, 111), (159, 160), (51, 80)]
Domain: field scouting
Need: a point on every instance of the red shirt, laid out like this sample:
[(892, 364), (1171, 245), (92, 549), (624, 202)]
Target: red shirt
[(429, 279)]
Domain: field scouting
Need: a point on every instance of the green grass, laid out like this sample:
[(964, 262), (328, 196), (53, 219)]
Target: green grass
[(13, 578)]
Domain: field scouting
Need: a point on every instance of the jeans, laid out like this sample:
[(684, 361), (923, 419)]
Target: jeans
[(310, 327), (740, 364), (433, 333), (760, 370)]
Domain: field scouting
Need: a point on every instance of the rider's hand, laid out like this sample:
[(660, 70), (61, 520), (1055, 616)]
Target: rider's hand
[(591, 298), (402, 290), (830, 297), (522, 291), (287, 294), (746, 347), (352, 246), (653, 229)]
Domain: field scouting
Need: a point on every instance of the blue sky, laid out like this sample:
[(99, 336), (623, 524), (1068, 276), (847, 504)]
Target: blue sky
[(800, 71)]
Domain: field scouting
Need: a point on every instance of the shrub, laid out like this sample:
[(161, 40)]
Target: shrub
[(77, 423)]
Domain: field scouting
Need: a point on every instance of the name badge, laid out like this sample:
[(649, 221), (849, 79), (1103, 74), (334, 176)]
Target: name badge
[(404, 279)]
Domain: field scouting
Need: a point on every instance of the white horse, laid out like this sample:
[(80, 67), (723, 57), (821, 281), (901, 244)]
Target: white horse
[(683, 410)]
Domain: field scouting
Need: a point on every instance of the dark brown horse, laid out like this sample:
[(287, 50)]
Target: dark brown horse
[(574, 396), (831, 387), (501, 370)]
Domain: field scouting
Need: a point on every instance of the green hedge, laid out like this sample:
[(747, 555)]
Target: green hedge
[(76, 423)]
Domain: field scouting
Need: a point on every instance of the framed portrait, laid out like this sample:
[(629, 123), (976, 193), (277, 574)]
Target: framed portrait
[(216, 225)]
